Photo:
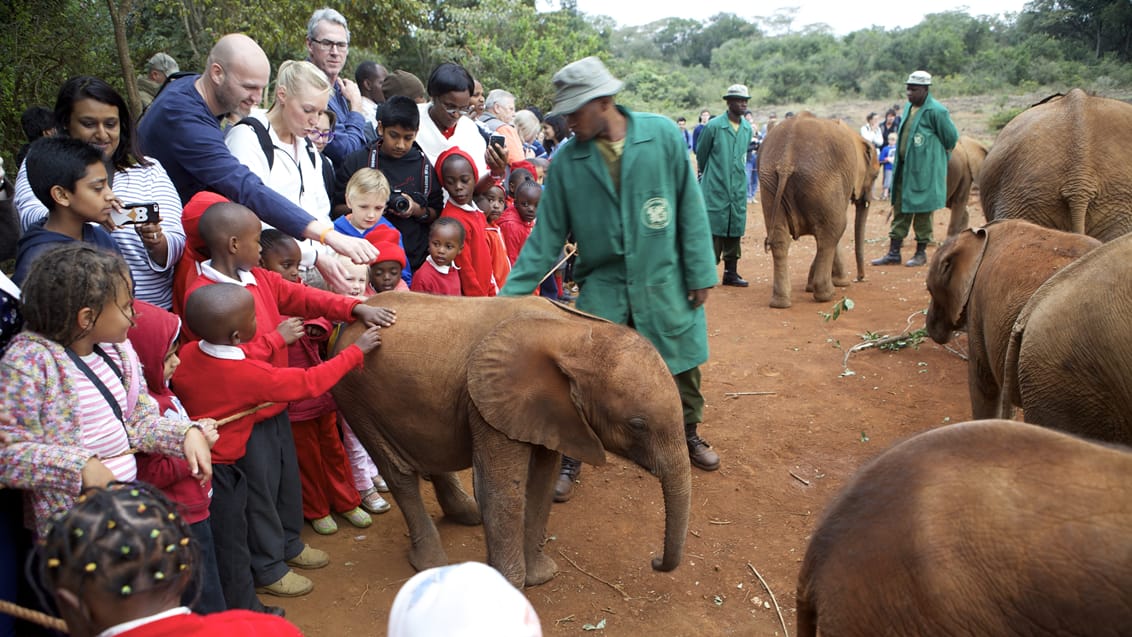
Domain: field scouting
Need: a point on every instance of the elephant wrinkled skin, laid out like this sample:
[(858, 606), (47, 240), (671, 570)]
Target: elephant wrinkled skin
[(963, 168), (987, 528), (810, 169), (506, 385), (1071, 348), (979, 280), (1066, 164)]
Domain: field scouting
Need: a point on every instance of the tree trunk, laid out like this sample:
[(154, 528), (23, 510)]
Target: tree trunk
[(118, 13)]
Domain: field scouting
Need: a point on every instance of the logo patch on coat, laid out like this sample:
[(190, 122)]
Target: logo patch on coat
[(656, 213), (918, 139)]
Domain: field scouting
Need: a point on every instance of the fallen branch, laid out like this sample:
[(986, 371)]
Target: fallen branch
[(624, 596), (736, 394), (799, 478), (362, 596), (782, 621), (720, 522)]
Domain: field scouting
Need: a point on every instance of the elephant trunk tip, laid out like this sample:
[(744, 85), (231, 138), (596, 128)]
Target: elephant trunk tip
[(665, 564)]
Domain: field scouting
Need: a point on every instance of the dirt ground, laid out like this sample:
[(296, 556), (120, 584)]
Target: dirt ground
[(785, 454)]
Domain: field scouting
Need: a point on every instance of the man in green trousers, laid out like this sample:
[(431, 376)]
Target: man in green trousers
[(624, 187), (722, 159)]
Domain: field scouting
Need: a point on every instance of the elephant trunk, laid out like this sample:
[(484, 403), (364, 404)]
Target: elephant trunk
[(677, 486), (859, 233)]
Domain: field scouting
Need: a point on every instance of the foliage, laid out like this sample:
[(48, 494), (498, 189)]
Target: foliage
[(844, 305), (1000, 119)]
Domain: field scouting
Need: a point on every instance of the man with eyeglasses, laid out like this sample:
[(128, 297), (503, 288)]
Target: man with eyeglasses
[(328, 43)]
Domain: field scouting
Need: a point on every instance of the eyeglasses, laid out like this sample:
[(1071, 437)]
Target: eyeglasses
[(326, 45), (467, 110), (321, 136)]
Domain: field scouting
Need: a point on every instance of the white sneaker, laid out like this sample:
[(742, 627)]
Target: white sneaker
[(379, 484), (373, 502)]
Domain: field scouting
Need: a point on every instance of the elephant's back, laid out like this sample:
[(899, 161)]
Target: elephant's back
[(813, 162)]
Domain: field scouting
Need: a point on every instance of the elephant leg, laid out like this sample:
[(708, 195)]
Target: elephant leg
[(821, 271), (780, 251), (457, 505), (425, 549), (501, 467), (540, 489), (960, 218), (982, 386), (840, 276)]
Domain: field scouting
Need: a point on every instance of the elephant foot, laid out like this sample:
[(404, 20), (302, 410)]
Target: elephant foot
[(540, 570), (426, 557), (780, 302), (823, 296), (841, 283), (465, 512)]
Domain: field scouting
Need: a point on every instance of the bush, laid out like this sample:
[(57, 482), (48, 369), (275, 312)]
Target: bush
[(999, 120)]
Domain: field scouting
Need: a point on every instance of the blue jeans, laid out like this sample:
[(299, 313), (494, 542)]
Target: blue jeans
[(752, 175)]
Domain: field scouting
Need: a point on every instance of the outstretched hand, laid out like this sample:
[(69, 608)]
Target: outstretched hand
[(375, 316), (369, 340), (291, 329)]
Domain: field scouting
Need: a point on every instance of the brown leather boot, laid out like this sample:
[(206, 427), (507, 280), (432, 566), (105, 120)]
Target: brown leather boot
[(699, 451), (564, 488)]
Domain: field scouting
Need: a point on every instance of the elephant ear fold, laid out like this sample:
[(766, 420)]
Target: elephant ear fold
[(965, 269), (525, 385)]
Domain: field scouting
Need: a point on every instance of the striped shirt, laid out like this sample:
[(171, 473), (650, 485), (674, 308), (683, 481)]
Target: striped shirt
[(153, 283), (102, 433)]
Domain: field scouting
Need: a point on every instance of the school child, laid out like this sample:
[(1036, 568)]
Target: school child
[(217, 377), (491, 199), (154, 337), (888, 161), (518, 219), (119, 562), (439, 274), (69, 177), (274, 506), (459, 175), (367, 193), (323, 473), (72, 385), (385, 272), (401, 160)]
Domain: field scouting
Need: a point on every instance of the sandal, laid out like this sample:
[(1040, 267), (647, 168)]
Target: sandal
[(358, 518)]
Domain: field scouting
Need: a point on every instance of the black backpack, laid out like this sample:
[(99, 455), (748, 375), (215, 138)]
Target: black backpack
[(268, 149)]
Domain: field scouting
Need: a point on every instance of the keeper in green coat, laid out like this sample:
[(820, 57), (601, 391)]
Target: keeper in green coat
[(919, 174), (624, 187), (721, 155)]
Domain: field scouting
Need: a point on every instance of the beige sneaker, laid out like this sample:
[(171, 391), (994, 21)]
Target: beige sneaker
[(358, 518), (290, 585), (310, 558)]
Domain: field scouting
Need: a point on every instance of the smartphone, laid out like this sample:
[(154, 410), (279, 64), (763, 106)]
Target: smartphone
[(499, 139), (136, 213)]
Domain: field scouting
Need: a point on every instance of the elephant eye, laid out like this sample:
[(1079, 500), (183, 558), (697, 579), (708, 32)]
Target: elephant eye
[(637, 423)]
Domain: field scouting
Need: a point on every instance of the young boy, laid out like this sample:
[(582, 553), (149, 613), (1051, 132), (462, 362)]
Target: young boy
[(518, 219), (403, 162), (69, 177), (459, 175), (367, 194), (438, 275), (888, 160), (385, 273), (231, 233), (216, 376), (491, 200)]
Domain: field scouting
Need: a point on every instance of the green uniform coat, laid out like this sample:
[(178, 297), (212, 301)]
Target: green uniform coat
[(722, 157), (640, 251), (920, 177)]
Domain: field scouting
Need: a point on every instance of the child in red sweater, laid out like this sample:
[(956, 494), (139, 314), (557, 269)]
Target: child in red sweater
[(518, 219), (438, 274), (231, 233), (155, 336), (217, 377), (491, 199), (119, 561), (459, 176), (323, 469)]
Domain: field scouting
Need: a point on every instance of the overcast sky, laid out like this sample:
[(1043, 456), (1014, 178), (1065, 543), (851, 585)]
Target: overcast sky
[(844, 16)]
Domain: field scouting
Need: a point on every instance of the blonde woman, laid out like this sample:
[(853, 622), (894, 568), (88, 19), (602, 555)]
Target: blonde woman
[(527, 125), (274, 144)]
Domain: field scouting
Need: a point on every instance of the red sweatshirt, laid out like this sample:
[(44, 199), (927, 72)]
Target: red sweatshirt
[(237, 623), (475, 260), (515, 231), (212, 387)]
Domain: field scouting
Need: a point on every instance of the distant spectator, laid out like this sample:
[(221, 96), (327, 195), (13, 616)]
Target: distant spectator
[(871, 131), (37, 122), (527, 125), (705, 117), (328, 44), (891, 124), (554, 133), (369, 75), (682, 122), (498, 115), (157, 70), (771, 120), (404, 83)]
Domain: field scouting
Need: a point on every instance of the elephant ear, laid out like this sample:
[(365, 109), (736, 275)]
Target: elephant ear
[(524, 383), (961, 267)]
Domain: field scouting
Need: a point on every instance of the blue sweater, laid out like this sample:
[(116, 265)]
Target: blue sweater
[(349, 132), (179, 131)]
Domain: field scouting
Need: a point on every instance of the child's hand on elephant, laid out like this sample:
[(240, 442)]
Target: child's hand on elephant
[(369, 340), (291, 329), (697, 298), (375, 316)]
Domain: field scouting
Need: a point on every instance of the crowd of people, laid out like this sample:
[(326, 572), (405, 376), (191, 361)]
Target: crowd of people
[(181, 275)]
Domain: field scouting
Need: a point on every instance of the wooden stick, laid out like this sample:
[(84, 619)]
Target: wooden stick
[(33, 616), (736, 394), (569, 253), (615, 587), (776, 608), (247, 412)]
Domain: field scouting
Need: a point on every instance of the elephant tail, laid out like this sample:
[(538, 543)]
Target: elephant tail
[(1005, 409), (783, 170)]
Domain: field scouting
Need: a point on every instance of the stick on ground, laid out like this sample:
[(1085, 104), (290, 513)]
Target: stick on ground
[(771, 593)]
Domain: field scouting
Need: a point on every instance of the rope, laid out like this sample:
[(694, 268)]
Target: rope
[(570, 251), (33, 616)]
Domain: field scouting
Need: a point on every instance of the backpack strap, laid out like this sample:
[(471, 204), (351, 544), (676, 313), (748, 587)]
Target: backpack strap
[(264, 139)]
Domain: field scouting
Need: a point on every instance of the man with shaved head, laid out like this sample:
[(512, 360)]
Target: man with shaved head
[(182, 130)]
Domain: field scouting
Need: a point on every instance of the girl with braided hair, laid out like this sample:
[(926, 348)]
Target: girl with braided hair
[(118, 563), (73, 386)]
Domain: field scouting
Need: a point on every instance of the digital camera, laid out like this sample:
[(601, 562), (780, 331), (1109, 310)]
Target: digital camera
[(399, 202)]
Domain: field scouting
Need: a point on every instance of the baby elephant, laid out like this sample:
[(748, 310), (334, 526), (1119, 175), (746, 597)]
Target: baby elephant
[(984, 528)]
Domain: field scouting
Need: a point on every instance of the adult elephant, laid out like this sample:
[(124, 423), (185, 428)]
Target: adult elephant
[(979, 280), (1065, 163), (989, 528), (809, 170), (962, 169), (1071, 349), (505, 386)]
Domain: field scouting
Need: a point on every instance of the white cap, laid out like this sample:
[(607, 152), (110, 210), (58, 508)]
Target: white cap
[(922, 78), (462, 600)]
